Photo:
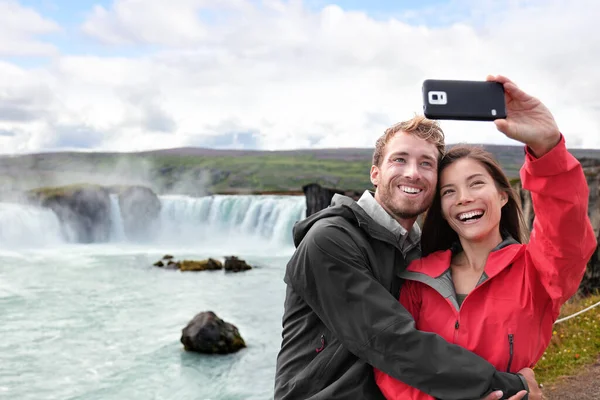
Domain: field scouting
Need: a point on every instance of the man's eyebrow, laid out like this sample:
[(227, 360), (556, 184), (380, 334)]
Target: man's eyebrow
[(405, 153), (468, 178)]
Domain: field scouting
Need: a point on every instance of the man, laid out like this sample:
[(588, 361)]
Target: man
[(342, 316)]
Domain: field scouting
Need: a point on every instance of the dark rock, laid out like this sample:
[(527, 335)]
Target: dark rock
[(319, 198), (234, 264), (203, 265), (591, 280), (140, 208), (84, 210), (207, 333), (173, 265), (159, 264), (167, 257)]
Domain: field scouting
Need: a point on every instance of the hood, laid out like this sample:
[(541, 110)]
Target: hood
[(347, 208)]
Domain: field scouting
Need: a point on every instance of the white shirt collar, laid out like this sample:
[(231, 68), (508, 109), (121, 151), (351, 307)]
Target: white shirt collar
[(368, 203)]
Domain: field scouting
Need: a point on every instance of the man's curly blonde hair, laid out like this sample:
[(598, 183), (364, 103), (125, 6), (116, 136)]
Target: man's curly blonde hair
[(419, 126)]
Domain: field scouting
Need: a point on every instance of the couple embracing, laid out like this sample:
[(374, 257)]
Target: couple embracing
[(378, 308)]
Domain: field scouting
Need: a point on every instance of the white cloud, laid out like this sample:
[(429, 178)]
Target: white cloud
[(300, 78), (19, 27), (176, 23)]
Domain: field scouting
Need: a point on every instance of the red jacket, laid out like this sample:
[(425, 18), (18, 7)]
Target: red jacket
[(507, 319)]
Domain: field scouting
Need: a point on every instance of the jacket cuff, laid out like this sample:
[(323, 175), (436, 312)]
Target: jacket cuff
[(509, 384), (525, 385), (556, 161)]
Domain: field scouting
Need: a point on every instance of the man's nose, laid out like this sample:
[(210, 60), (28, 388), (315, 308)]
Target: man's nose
[(411, 170)]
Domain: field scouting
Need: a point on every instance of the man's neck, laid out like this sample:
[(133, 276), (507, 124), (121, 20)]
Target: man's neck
[(406, 223)]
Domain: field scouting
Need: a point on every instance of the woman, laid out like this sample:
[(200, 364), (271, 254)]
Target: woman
[(478, 285)]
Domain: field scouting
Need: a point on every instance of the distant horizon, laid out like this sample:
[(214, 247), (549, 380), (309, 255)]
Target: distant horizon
[(229, 150)]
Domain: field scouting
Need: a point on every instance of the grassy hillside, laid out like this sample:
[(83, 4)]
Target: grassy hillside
[(575, 343), (200, 171)]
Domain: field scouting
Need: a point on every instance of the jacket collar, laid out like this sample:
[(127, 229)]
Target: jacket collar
[(345, 207), (406, 240), (436, 264)]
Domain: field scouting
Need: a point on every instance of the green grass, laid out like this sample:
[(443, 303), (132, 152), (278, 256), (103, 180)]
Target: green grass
[(48, 192), (575, 343)]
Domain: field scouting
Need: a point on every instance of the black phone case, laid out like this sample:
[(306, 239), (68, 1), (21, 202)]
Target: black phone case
[(463, 100)]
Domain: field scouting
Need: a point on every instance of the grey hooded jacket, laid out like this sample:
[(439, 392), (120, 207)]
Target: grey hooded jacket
[(342, 317)]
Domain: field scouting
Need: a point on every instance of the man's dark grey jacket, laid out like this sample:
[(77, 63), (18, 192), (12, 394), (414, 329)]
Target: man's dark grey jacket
[(342, 317)]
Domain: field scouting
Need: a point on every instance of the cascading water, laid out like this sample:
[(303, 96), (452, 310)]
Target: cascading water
[(182, 220), (267, 218), (118, 231), (30, 226)]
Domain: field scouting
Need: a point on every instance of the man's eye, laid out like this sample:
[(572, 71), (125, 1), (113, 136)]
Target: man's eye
[(426, 164), (400, 160)]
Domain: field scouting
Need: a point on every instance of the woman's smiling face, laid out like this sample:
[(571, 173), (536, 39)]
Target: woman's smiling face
[(471, 201)]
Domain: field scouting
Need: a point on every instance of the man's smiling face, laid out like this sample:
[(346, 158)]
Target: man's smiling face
[(407, 177)]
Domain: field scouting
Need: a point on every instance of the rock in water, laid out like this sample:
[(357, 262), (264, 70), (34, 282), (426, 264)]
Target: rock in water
[(207, 333), (202, 265), (84, 210), (140, 208), (234, 264)]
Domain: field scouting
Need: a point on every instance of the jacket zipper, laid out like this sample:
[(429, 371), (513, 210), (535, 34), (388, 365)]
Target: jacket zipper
[(320, 349), (456, 326), (510, 351)]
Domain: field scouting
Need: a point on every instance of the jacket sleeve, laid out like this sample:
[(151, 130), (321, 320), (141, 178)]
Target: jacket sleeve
[(562, 239), (329, 271), (391, 388)]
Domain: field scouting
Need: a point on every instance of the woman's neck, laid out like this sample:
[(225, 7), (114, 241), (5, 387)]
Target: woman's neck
[(475, 253)]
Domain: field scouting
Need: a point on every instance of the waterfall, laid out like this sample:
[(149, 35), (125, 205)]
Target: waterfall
[(118, 230), (233, 217), (29, 226), (185, 220)]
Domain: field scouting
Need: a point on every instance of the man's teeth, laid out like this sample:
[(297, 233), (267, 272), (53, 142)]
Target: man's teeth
[(409, 189), (470, 214)]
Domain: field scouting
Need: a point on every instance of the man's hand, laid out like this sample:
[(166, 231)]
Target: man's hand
[(498, 395), (535, 393)]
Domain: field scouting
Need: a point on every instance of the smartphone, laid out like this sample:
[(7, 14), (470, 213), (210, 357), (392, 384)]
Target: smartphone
[(463, 100)]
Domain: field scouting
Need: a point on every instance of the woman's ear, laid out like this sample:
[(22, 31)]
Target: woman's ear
[(504, 198)]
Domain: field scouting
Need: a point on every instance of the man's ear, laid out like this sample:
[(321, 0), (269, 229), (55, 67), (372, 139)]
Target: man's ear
[(375, 175)]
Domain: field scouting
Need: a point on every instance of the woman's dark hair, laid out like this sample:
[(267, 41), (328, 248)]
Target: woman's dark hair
[(437, 234)]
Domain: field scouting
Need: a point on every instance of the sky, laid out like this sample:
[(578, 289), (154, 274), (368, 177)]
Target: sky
[(132, 75)]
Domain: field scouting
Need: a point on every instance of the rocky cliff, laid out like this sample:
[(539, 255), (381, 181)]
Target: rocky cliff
[(318, 197), (85, 210)]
